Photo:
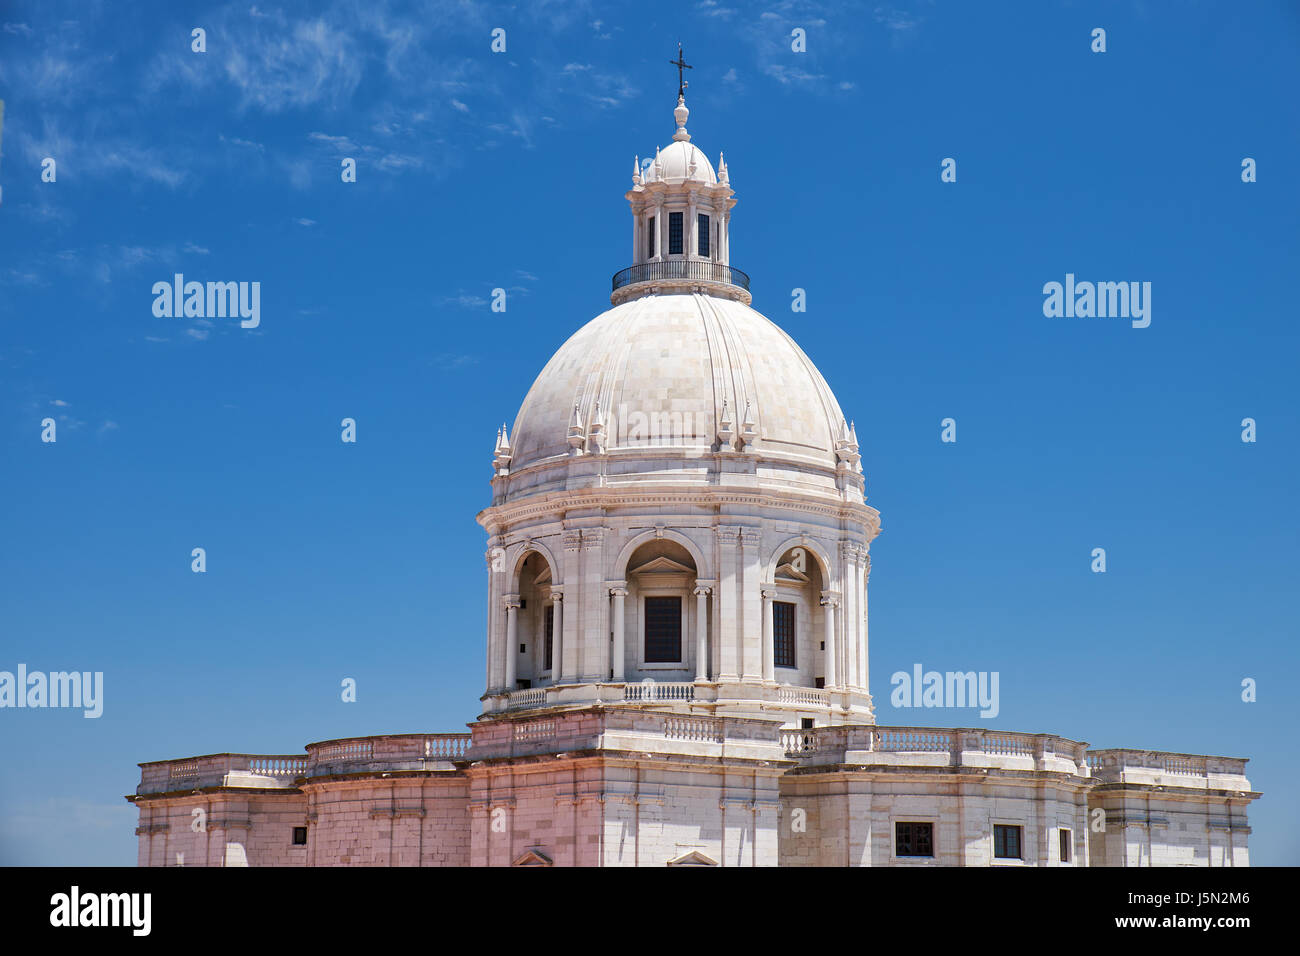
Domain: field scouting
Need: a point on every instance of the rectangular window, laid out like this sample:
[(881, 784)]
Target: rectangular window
[(663, 630), (550, 637), (299, 836), (674, 233), (650, 240), (913, 839), (704, 234), (1065, 845), (1006, 842), (783, 633)]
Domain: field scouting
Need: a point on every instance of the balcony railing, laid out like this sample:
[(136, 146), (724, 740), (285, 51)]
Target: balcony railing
[(697, 270)]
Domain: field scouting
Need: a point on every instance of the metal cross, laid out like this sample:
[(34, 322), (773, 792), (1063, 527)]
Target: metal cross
[(681, 64)]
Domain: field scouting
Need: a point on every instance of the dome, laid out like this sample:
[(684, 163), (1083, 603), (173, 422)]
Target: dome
[(675, 162), (662, 367)]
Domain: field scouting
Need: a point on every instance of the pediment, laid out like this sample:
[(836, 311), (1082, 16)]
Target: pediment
[(788, 572), (662, 565), (693, 858), (533, 858)]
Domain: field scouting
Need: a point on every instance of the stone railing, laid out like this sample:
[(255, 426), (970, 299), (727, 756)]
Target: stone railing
[(278, 766), (527, 731), (799, 742), (693, 728), (659, 691), (816, 696), (389, 753), (446, 746), (270, 771), (260, 771), (1160, 768), (623, 729), (532, 697), (934, 746)]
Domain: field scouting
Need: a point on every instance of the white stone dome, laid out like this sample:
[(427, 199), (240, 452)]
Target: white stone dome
[(675, 161), (661, 367)]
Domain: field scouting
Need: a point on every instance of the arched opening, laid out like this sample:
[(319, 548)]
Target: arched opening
[(799, 619), (535, 630), (661, 617)]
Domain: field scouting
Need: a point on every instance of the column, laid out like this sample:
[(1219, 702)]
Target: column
[(849, 588), (512, 637), (769, 648), (727, 638), (751, 667), (576, 618), (636, 237), (828, 602), (690, 241), (661, 227), (493, 638), (619, 594), (701, 633), (865, 676), (557, 636)]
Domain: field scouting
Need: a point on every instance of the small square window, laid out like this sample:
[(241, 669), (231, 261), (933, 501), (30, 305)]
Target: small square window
[(819, 682), (1006, 842), (914, 839), (805, 723), (299, 836), (523, 648), (1065, 845)]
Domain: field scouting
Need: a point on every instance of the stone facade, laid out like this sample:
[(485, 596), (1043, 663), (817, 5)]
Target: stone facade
[(678, 568), (627, 786)]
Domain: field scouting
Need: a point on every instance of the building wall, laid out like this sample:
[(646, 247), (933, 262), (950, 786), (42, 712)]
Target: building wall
[(238, 828), (623, 811), (1193, 828), (847, 818), (418, 819)]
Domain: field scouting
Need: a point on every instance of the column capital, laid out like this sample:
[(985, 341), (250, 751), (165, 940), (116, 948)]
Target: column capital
[(830, 599), (557, 594), (769, 591), (702, 590), (618, 591), (510, 601)]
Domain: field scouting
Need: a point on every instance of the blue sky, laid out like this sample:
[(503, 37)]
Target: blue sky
[(479, 170)]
